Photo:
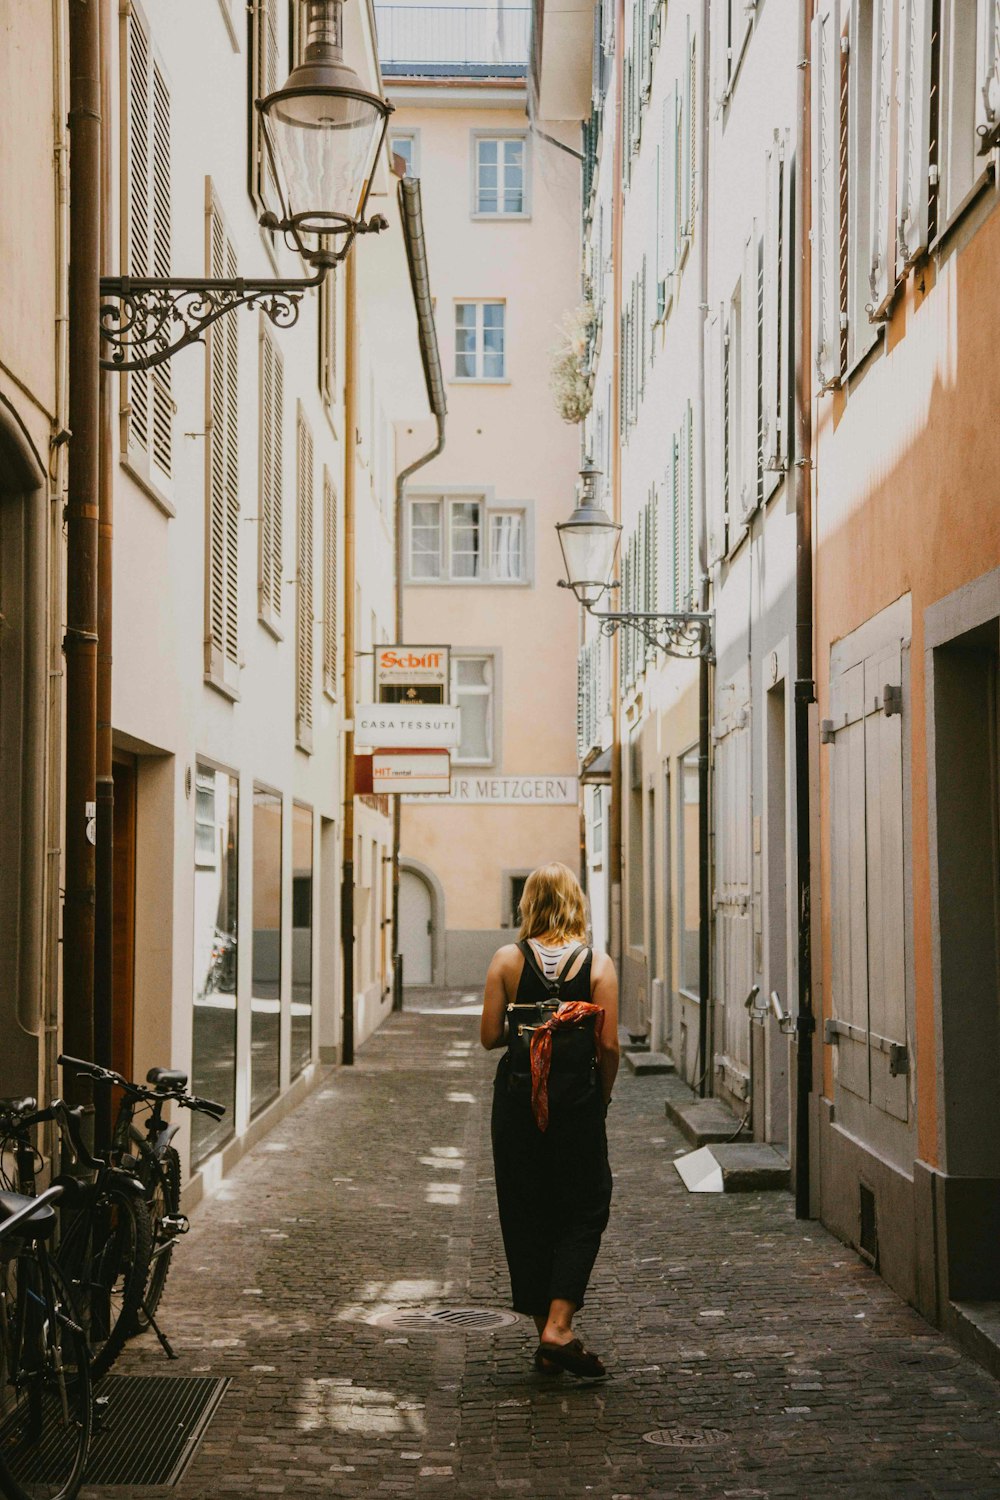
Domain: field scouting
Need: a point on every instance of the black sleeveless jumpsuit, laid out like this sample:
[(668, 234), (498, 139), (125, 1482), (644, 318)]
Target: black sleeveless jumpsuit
[(553, 1186)]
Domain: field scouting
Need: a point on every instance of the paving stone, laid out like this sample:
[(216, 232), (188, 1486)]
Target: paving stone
[(718, 1314)]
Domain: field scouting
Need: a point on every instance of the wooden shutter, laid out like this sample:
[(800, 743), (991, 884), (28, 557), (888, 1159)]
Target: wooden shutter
[(690, 509), (988, 68), (304, 504), (749, 418), (223, 450), (148, 397), (668, 193), (915, 19), (715, 498), (264, 63), (687, 141), (826, 248), (773, 329), (272, 477), (330, 624), (882, 255)]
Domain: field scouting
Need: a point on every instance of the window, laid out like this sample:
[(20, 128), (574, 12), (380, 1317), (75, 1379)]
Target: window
[(329, 586), (222, 665), (216, 889), (269, 560), (472, 692), (461, 539), (406, 144), (146, 251), (479, 341), (514, 883), (265, 992), (500, 176), (304, 501)]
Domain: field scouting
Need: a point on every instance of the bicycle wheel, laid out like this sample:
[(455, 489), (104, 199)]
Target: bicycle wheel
[(105, 1256), (161, 1177), (45, 1391)]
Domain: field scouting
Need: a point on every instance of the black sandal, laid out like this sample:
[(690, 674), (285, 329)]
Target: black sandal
[(573, 1358), (544, 1366)]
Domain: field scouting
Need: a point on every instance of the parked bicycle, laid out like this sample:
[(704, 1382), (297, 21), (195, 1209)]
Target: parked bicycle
[(105, 1242), (46, 1412), (150, 1155)]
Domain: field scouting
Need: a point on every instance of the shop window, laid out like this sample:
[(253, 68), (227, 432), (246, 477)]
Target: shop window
[(302, 937), (265, 995), (216, 889)]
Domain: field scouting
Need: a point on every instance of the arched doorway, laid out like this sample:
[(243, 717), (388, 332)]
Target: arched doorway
[(416, 927)]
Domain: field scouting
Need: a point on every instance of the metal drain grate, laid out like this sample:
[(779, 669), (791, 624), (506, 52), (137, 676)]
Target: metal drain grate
[(151, 1427), (687, 1437), (446, 1319)]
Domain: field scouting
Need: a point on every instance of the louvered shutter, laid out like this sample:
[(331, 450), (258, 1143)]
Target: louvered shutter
[(882, 255), (223, 500), (687, 139), (718, 45), (915, 20), (749, 419), (148, 396), (643, 330), (668, 191), (330, 591), (826, 309), (264, 65), (715, 498), (676, 523), (988, 68), (772, 330), (272, 416), (304, 505), (689, 491)]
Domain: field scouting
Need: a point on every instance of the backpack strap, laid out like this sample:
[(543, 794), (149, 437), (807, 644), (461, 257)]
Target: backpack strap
[(554, 986)]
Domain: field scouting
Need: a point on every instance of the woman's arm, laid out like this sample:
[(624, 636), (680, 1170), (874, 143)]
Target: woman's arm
[(604, 992), (491, 1026)]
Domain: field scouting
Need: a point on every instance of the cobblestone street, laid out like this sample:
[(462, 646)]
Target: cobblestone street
[(776, 1362)]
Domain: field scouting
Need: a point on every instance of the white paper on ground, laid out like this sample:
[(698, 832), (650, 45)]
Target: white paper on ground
[(699, 1171)]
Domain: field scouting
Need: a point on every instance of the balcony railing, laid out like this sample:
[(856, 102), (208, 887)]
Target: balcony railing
[(473, 41)]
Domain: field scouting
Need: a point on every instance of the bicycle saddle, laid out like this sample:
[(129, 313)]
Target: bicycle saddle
[(41, 1223), (25, 1106), (166, 1078)]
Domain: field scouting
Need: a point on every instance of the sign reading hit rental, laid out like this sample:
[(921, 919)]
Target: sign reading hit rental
[(411, 674), (410, 726)]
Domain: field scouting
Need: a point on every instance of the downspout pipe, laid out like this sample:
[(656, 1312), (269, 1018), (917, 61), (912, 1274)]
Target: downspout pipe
[(80, 644), (350, 628), (705, 1075), (411, 216), (805, 686)]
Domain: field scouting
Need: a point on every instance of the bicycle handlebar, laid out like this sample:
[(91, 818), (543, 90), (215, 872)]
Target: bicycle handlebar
[(138, 1091)]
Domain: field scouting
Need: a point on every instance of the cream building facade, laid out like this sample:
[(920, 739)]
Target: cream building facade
[(480, 567)]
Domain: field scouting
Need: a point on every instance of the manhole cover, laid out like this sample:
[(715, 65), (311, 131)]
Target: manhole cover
[(436, 1320), (686, 1437)]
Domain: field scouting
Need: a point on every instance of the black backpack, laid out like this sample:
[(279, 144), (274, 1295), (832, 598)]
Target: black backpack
[(573, 1069)]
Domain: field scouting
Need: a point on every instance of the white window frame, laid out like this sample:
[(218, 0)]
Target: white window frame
[(413, 136), (478, 378), (500, 136), (489, 691), (490, 509)]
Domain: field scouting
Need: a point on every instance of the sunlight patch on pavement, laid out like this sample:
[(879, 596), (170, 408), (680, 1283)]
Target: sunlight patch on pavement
[(338, 1405), (446, 1194), (378, 1297), (456, 1098)]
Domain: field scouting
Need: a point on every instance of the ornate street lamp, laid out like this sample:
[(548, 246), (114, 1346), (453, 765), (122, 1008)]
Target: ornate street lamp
[(589, 541), (323, 131)]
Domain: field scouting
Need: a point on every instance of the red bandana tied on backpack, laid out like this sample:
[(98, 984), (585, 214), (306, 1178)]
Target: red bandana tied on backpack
[(568, 1014)]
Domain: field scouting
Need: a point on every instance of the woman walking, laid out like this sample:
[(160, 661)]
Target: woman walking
[(550, 1098)]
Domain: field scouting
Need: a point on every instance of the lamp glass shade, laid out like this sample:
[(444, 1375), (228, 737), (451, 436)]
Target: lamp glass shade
[(324, 142), (589, 542)]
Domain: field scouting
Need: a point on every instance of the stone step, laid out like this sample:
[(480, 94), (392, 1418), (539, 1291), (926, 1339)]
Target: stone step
[(701, 1121), (976, 1326), (751, 1167), (649, 1064)]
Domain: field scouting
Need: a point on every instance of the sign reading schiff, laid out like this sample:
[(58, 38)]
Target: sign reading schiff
[(536, 791), (411, 674)]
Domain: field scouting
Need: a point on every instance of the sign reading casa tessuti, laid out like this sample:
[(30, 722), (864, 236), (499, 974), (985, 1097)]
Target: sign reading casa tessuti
[(412, 674), (406, 726)]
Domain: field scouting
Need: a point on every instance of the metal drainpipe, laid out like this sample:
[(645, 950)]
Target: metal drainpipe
[(805, 686), (350, 625), (617, 941), (104, 909), (704, 665), (81, 534)]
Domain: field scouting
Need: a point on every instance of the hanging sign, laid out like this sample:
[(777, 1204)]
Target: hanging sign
[(527, 791), (415, 772), (385, 726), (411, 674)]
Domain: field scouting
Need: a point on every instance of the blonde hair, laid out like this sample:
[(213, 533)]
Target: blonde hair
[(552, 903)]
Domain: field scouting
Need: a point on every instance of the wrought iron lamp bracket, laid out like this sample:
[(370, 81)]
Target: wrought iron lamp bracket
[(684, 635)]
